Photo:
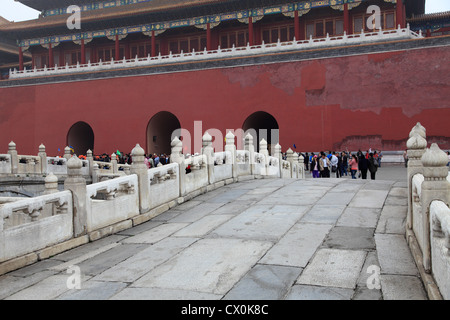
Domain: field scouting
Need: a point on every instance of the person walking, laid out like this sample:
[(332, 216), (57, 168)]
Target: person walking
[(324, 166), (353, 166), (334, 164), (363, 166), (373, 166), (380, 156), (405, 158), (345, 160), (315, 167)]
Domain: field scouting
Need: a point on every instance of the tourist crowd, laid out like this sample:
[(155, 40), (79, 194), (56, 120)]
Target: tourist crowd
[(339, 164)]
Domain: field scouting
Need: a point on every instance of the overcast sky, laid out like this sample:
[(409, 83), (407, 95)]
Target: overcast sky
[(14, 11)]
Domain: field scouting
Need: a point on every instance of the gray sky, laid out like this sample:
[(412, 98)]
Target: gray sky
[(14, 11)]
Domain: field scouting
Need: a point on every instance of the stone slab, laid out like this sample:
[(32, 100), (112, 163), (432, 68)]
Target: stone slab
[(396, 287), (299, 200), (94, 290), (187, 205), (336, 198), (141, 228), (228, 196), (326, 214), (396, 201), (363, 293), (87, 248), (234, 207), (156, 234), (223, 262), (47, 289), (110, 258), (264, 282), (334, 268), (298, 245), (392, 219), (359, 217), (197, 212), (369, 199), (394, 255), (139, 264), (260, 222), (162, 294), (353, 238), (202, 227), (10, 285), (304, 292)]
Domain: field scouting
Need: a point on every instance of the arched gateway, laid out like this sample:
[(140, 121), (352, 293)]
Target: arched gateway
[(81, 138), (159, 132), (262, 125)]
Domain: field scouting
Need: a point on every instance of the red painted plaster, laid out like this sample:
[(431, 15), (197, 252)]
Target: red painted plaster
[(348, 102)]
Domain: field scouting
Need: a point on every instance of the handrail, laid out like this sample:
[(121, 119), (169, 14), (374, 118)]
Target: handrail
[(344, 39)]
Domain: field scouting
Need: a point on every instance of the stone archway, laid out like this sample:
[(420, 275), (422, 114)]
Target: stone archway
[(81, 138), (262, 125), (159, 132)]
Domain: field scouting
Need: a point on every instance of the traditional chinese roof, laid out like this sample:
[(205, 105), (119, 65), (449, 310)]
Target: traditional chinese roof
[(430, 17), (9, 51), (50, 4), (109, 13)]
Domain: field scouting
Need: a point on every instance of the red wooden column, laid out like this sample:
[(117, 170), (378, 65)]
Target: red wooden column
[(50, 56), (20, 59), (83, 52), (296, 25), (346, 19), (117, 49), (153, 53), (399, 14), (208, 37), (250, 30)]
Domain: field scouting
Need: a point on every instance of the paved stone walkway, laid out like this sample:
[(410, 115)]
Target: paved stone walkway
[(258, 239)]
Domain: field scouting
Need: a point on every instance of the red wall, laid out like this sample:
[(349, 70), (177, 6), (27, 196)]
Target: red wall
[(348, 102)]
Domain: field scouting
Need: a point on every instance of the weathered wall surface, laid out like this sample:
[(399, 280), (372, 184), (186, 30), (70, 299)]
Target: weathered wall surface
[(357, 101)]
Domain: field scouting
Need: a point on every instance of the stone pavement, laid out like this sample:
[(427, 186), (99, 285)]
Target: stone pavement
[(257, 239)]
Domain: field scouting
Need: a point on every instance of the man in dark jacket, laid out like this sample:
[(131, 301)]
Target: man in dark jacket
[(373, 166), (363, 165)]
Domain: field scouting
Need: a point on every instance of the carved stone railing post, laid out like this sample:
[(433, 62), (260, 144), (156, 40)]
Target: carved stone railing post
[(95, 173), (126, 169), (114, 166), (416, 146), (14, 157), (208, 151), (434, 187), (43, 156), (90, 159), (67, 154), (231, 147), (51, 184), (177, 156), (301, 166), (248, 146), (77, 185), (290, 159), (279, 156), (139, 168), (265, 152)]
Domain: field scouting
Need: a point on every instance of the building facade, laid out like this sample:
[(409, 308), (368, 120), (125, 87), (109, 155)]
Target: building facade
[(311, 75)]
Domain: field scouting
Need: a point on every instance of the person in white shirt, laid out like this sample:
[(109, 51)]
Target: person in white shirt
[(334, 165)]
